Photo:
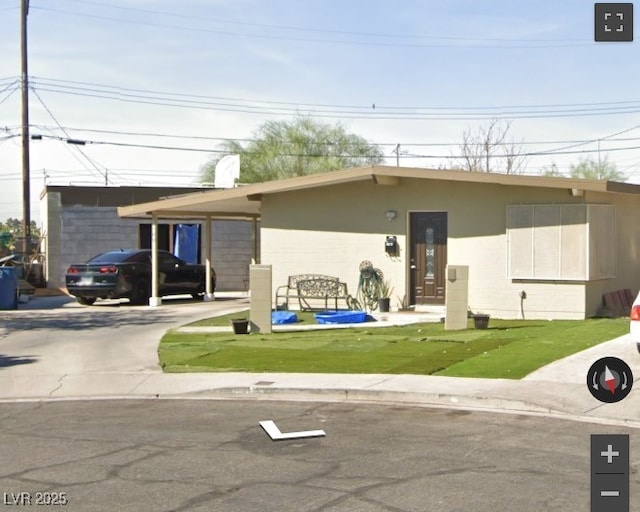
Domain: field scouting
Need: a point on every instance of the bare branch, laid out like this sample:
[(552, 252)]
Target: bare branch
[(488, 150)]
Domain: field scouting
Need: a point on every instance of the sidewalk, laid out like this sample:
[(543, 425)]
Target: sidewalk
[(558, 390), (382, 320)]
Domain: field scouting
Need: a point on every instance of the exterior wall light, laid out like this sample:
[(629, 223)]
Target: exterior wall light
[(391, 214)]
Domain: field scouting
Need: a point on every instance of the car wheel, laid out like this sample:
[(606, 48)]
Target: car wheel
[(85, 301), (140, 293)]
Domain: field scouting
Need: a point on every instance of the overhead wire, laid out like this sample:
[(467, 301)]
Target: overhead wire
[(176, 101), (10, 93), (308, 28), (230, 33), (314, 155), (608, 138), (153, 93), (592, 141), (87, 158)]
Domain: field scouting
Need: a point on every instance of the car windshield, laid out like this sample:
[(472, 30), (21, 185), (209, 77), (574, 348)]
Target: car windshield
[(111, 257)]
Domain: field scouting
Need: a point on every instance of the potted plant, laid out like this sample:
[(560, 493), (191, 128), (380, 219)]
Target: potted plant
[(481, 320), (384, 295), (240, 325), (403, 304)]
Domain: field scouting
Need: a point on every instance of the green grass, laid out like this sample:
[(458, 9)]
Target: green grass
[(508, 349)]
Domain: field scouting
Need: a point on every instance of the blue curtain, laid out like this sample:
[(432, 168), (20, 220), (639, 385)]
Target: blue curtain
[(186, 242)]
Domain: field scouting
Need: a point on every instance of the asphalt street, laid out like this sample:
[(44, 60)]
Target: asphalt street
[(204, 455)]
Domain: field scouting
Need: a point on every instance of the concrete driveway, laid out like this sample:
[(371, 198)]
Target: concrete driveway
[(51, 339)]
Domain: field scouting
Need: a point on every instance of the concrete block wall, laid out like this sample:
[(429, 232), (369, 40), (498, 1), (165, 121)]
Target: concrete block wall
[(76, 233), (89, 230), (232, 253), (50, 209)]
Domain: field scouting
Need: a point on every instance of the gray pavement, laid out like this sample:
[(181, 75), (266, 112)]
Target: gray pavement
[(116, 358), (211, 455)]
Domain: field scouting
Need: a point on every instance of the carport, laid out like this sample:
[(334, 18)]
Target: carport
[(206, 206)]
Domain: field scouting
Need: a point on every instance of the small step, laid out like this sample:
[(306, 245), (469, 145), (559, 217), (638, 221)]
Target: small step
[(430, 308)]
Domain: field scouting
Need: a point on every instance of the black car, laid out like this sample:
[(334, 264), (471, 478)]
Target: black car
[(127, 273)]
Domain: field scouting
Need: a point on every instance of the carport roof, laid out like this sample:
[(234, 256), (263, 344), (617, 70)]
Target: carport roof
[(244, 202)]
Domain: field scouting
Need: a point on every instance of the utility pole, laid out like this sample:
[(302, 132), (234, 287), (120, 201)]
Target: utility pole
[(26, 191), (397, 152)]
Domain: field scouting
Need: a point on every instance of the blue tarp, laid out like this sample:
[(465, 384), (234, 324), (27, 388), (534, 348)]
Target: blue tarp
[(341, 317), (186, 244), (283, 317)]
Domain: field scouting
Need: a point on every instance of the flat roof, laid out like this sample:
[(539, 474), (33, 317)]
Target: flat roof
[(245, 201), (114, 196)]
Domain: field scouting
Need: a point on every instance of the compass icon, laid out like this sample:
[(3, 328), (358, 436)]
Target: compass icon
[(609, 379)]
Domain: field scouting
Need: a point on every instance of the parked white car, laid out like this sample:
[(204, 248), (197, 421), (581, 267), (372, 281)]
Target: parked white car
[(635, 322)]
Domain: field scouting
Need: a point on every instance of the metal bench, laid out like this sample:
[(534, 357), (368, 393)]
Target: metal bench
[(313, 292)]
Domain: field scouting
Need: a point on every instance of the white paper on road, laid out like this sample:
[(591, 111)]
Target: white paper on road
[(274, 433)]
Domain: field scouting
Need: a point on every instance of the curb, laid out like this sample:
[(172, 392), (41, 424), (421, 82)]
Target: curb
[(481, 404), (387, 397)]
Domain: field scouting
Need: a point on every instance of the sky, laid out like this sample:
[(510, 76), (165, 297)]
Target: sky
[(153, 86)]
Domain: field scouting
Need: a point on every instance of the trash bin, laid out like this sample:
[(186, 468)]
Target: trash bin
[(8, 288)]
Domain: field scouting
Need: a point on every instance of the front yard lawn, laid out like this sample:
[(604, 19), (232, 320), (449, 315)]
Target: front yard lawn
[(508, 349)]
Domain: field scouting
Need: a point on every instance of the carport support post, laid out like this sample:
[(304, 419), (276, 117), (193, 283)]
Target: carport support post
[(254, 238), (208, 296), (154, 300)]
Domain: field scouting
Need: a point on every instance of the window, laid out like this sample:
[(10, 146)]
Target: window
[(144, 235), (561, 242)]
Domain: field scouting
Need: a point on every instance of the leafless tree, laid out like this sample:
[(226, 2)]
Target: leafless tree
[(488, 149)]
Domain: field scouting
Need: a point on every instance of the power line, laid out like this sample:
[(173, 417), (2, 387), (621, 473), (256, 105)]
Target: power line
[(92, 86), (55, 120), (313, 29), (312, 155), (608, 138), (11, 92), (229, 33), (405, 116), (150, 134)]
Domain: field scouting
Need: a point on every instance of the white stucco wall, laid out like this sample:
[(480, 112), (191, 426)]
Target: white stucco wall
[(628, 250), (331, 230)]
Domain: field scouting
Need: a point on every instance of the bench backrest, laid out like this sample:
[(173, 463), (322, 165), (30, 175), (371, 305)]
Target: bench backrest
[(294, 280), (321, 287)]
